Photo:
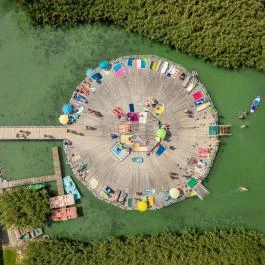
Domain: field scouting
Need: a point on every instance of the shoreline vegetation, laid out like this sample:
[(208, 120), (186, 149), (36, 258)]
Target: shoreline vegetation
[(229, 33), (188, 247)]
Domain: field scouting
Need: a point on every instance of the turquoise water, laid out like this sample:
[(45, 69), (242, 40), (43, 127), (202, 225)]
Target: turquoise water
[(39, 68)]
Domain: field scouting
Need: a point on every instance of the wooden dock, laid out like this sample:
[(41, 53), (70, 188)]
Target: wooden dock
[(57, 170), (7, 184), (187, 134), (38, 132), (188, 129)]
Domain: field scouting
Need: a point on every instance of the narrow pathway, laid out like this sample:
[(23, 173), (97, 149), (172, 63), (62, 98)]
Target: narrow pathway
[(57, 170), (33, 132)]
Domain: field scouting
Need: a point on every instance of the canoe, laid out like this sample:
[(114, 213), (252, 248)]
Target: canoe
[(255, 104)]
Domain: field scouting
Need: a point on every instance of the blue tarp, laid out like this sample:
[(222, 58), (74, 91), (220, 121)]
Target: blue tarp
[(130, 62), (160, 150), (131, 107)]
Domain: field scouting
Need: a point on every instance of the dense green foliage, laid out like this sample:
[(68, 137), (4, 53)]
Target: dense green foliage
[(10, 257), (24, 208), (227, 32), (232, 247)]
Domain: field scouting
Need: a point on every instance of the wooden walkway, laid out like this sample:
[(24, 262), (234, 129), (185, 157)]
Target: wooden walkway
[(188, 131), (57, 170), (33, 132), (7, 184)]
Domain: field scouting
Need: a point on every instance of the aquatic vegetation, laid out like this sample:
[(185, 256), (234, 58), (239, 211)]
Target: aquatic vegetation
[(229, 33), (24, 208), (188, 247)]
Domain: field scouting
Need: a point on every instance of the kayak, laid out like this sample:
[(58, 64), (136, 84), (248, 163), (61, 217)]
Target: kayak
[(255, 104)]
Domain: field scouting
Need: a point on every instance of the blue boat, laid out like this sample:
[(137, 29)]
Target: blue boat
[(255, 104), (70, 188)]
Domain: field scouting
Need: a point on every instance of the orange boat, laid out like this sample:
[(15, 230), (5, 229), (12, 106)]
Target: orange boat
[(64, 214), (61, 201)]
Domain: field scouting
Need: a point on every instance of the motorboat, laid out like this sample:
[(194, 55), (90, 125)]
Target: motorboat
[(255, 104)]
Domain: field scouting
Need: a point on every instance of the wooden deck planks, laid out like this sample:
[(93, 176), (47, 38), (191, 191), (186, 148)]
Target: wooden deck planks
[(137, 86)]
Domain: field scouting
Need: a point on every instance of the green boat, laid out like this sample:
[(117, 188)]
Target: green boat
[(37, 186)]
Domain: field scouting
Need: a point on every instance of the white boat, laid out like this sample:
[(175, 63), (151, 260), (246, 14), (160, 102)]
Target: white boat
[(255, 104)]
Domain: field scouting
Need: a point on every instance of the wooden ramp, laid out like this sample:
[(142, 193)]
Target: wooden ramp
[(200, 190), (7, 184)]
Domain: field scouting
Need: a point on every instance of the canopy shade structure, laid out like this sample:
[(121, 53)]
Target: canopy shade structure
[(142, 206), (89, 73), (161, 133), (174, 193), (64, 119), (67, 109), (104, 65)]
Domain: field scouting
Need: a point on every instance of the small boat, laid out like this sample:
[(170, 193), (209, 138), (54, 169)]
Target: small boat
[(31, 234), (243, 189), (70, 187), (255, 104)]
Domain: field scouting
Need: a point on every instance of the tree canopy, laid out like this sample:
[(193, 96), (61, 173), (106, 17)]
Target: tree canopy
[(227, 32), (189, 247), (24, 208)]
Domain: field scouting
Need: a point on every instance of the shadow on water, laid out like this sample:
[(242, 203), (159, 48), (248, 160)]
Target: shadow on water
[(62, 160), (80, 211)]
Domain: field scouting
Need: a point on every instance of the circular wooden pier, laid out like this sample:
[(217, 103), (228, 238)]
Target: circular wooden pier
[(118, 117)]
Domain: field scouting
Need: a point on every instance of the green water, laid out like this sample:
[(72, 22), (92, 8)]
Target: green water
[(39, 68)]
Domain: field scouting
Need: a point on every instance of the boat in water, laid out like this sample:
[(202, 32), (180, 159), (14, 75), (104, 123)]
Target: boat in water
[(242, 189), (70, 187), (255, 104)]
